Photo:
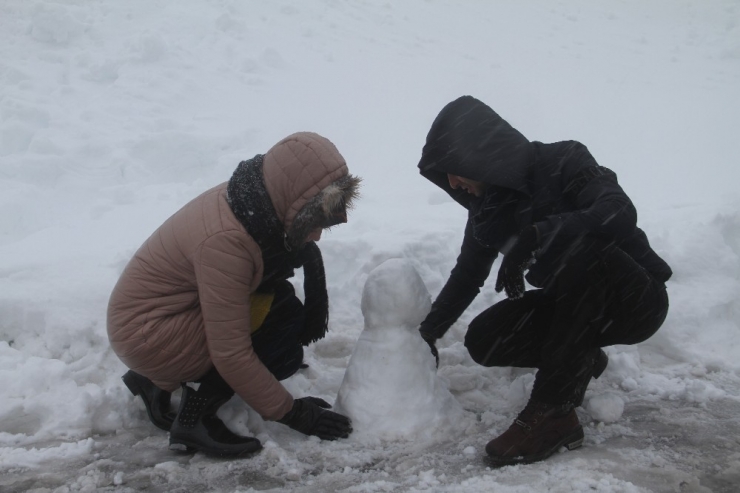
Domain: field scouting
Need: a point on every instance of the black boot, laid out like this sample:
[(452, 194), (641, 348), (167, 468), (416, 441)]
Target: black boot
[(198, 428), (156, 400)]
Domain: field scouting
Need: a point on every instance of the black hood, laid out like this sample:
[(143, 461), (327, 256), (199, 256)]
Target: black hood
[(471, 140)]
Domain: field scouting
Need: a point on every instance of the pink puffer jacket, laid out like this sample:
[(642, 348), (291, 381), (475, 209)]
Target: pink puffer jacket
[(182, 302)]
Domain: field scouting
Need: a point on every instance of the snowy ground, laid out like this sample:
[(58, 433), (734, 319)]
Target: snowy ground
[(114, 114)]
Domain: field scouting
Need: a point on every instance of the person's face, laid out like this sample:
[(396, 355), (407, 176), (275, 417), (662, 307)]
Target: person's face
[(315, 234), (471, 186)]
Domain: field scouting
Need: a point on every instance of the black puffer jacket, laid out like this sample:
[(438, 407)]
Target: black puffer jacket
[(557, 187)]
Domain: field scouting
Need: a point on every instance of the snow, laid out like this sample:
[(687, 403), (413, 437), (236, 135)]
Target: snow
[(606, 408), (390, 389), (114, 114)]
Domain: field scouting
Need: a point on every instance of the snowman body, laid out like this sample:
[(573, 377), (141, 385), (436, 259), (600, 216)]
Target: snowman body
[(391, 389)]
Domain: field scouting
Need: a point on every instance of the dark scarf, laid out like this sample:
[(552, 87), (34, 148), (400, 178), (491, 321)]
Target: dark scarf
[(248, 198)]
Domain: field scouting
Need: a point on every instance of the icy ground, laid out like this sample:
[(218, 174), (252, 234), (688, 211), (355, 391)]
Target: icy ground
[(114, 114), (663, 446)]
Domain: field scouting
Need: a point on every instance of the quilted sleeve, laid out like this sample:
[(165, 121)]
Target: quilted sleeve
[(224, 272)]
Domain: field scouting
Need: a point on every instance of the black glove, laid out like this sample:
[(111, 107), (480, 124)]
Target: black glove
[(516, 261), (431, 340), (310, 416)]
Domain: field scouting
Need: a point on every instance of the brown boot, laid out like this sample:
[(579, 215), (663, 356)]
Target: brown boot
[(538, 432)]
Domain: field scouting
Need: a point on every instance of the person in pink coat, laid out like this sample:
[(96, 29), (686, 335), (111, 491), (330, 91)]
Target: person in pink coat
[(205, 303)]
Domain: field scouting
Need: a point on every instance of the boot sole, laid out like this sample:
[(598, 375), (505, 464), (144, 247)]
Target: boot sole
[(571, 442), (186, 446), (134, 386)]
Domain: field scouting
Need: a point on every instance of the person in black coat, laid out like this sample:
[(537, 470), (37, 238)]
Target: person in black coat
[(562, 219)]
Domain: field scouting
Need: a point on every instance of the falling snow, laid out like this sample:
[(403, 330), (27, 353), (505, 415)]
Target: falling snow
[(115, 114)]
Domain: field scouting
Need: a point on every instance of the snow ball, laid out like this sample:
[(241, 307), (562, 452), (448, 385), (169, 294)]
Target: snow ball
[(469, 451), (395, 296), (606, 408), (118, 478)]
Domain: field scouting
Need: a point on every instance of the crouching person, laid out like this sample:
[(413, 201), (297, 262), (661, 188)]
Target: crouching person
[(205, 303), (556, 214)]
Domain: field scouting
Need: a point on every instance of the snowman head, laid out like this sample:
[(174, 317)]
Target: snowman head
[(395, 296)]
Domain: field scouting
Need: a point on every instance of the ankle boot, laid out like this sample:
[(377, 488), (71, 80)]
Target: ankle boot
[(198, 428), (593, 368), (538, 432), (156, 400)]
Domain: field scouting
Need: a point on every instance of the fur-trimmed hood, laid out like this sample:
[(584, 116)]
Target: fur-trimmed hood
[(308, 182), (326, 209)]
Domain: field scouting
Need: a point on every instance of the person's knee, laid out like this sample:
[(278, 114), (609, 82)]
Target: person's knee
[(509, 332), (473, 337), (472, 344), (483, 334), (481, 354), (643, 325), (286, 300), (291, 305)]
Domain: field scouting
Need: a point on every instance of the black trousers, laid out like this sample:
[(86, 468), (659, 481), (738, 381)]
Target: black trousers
[(276, 343), (597, 296)]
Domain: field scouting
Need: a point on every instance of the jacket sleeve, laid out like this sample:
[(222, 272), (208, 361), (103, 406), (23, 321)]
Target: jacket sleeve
[(224, 272), (465, 281), (602, 209)]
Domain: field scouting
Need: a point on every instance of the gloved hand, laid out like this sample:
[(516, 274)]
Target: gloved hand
[(310, 416), (516, 261), (431, 340)]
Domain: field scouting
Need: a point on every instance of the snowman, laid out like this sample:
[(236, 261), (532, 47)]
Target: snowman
[(391, 389)]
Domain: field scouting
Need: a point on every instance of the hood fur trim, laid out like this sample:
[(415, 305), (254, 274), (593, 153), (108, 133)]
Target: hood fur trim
[(337, 198)]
